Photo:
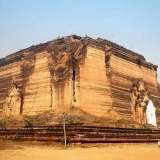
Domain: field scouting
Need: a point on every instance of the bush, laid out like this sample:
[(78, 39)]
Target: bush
[(139, 61), (71, 121), (119, 121), (144, 125), (133, 126), (2, 123), (28, 123)]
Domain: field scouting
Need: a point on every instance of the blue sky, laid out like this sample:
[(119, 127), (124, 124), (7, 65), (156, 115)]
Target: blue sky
[(133, 24)]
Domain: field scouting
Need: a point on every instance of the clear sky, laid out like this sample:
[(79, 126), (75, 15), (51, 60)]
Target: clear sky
[(133, 24)]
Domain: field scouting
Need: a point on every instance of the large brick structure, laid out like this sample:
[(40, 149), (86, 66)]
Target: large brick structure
[(92, 74)]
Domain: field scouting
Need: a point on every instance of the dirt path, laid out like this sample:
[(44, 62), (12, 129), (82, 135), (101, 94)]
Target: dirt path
[(36, 151)]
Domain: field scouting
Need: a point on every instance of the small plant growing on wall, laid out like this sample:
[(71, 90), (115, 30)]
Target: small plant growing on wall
[(144, 126), (139, 61), (71, 121), (2, 123), (119, 121), (28, 123)]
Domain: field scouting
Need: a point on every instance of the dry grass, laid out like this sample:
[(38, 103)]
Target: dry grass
[(111, 118)]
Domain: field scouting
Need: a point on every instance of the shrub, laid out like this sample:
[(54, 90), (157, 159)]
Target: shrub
[(144, 125), (2, 123), (139, 61), (71, 121), (119, 121), (28, 123), (133, 126)]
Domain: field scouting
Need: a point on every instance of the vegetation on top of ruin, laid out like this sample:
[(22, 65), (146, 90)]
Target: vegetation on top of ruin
[(43, 46), (139, 61)]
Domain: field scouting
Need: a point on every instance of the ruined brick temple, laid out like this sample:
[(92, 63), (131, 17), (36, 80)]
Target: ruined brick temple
[(94, 75)]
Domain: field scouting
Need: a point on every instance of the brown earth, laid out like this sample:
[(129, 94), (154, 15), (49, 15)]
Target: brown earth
[(52, 151), (111, 118)]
